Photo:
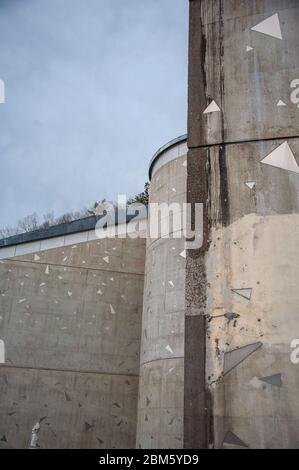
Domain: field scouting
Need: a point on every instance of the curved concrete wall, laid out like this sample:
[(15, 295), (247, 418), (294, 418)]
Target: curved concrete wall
[(250, 258), (161, 383)]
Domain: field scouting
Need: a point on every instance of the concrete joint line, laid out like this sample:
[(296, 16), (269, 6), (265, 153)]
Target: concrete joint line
[(67, 370), (240, 142), (161, 359), (72, 267)]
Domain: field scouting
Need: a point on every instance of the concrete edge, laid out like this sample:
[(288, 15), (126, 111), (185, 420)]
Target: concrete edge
[(76, 226), (172, 143)]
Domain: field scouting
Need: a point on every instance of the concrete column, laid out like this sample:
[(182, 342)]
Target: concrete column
[(161, 383), (243, 153)]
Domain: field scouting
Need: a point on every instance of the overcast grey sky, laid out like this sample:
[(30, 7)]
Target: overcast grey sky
[(93, 88)]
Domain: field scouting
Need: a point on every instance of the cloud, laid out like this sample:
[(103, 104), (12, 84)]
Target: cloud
[(93, 88)]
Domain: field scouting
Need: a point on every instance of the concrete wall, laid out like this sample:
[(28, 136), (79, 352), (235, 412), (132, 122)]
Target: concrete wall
[(161, 387), (70, 318), (248, 387)]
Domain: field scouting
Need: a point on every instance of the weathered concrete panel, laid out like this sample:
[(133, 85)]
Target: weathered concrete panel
[(75, 410), (72, 316), (245, 85), (160, 405), (260, 253), (276, 191), (249, 263)]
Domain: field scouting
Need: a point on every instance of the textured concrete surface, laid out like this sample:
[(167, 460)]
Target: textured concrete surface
[(245, 85), (75, 409), (71, 319), (161, 387), (250, 263), (253, 253)]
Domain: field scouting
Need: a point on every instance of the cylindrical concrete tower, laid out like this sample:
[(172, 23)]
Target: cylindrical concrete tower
[(243, 165), (161, 399)]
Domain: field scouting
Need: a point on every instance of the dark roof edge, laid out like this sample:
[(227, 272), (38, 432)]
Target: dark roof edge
[(171, 143), (76, 226)]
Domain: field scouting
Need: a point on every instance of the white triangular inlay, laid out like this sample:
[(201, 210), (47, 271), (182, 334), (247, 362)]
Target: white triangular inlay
[(249, 48), (2, 352), (212, 108), (169, 349), (281, 103), (112, 310), (250, 184), (282, 157), (270, 26)]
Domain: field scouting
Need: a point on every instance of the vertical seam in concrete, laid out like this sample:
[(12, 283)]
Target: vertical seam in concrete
[(195, 400), (222, 156)]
